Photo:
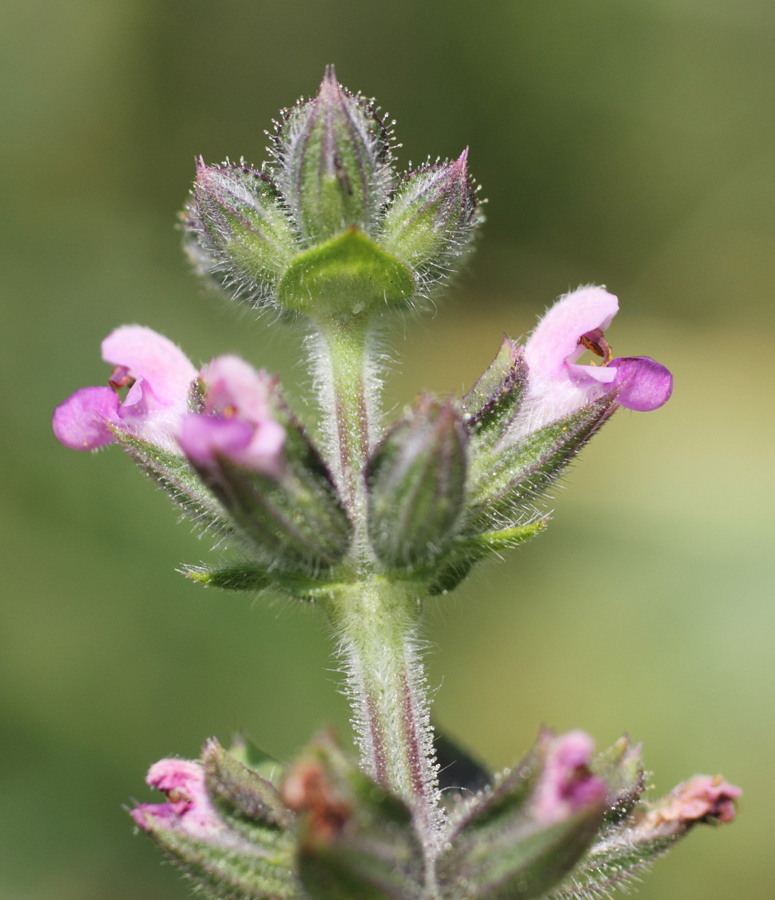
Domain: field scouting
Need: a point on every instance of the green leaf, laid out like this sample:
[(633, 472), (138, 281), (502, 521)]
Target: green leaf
[(467, 551), (347, 275)]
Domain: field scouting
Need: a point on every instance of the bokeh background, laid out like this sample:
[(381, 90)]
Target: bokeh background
[(621, 142)]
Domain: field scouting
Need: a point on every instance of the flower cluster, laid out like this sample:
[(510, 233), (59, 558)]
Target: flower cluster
[(368, 522)]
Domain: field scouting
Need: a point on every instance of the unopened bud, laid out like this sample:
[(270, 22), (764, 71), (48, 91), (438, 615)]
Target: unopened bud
[(334, 156), (432, 219), (355, 840), (240, 235), (416, 485)]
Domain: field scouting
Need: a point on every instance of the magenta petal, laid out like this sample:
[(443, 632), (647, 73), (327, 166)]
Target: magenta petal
[(153, 357), (643, 384), (81, 421), (566, 786), (202, 438), (189, 809)]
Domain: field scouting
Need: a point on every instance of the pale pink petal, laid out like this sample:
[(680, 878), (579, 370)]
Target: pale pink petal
[(153, 357), (81, 422), (204, 438), (234, 385), (556, 338)]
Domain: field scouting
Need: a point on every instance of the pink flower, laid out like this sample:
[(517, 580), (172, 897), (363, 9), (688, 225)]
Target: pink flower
[(566, 786), (236, 422), (159, 377), (188, 810), (558, 385)]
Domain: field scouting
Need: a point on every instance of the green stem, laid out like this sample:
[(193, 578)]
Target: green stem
[(377, 624), (376, 620), (348, 392)]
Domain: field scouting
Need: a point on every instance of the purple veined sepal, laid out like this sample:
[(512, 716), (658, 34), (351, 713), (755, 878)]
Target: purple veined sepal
[(432, 220), (253, 455), (238, 232), (416, 478), (334, 163), (518, 837)]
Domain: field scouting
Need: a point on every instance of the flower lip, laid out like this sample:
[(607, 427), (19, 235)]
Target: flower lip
[(236, 422), (158, 376), (188, 808), (558, 385)]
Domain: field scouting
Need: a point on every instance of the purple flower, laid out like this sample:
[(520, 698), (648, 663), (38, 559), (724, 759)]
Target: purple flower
[(236, 422), (558, 385), (566, 785), (188, 808), (158, 375)]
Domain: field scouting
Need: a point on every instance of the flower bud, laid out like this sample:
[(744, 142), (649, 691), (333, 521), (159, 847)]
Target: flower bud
[(432, 219), (355, 840), (519, 838), (334, 163), (416, 485), (239, 234)]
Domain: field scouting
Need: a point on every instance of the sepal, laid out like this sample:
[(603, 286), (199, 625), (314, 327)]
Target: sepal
[(519, 837), (356, 842), (180, 481), (506, 483), (334, 162), (491, 405), (416, 480), (238, 232), (432, 219)]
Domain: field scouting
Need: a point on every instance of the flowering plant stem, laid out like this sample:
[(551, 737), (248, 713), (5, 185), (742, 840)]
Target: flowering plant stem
[(376, 620), (348, 399)]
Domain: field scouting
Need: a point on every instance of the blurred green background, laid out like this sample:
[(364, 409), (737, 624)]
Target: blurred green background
[(621, 142)]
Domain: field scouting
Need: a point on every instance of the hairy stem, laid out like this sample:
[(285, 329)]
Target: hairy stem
[(348, 390), (377, 622)]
